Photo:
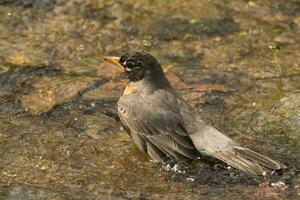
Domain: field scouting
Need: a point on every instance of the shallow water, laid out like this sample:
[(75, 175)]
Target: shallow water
[(237, 62)]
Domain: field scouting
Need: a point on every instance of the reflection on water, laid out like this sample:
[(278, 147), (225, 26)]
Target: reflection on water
[(60, 136)]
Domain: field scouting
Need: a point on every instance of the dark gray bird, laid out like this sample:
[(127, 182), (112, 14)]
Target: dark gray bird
[(165, 127)]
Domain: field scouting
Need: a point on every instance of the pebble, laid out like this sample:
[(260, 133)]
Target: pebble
[(280, 184)]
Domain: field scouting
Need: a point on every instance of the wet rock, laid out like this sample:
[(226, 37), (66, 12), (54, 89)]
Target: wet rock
[(182, 52), (108, 71), (108, 92), (296, 185), (17, 59), (100, 10), (281, 122), (297, 21), (23, 59), (17, 81), (21, 193), (284, 39), (48, 92), (197, 92), (17, 76), (179, 84), (287, 112), (264, 191), (99, 125), (102, 95), (177, 28), (37, 4), (115, 85)]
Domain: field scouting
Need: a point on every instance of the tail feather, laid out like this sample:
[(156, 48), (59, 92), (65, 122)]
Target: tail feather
[(212, 142), (239, 162), (248, 160), (259, 158)]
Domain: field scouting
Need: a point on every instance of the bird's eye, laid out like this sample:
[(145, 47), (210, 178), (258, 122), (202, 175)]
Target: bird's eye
[(130, 64), (122, 59)]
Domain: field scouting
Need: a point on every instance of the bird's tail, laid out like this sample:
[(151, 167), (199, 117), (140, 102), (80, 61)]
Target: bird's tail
[(212, 142), (248, 160)]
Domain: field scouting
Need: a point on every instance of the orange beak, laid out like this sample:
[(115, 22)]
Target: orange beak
[(113, 60)]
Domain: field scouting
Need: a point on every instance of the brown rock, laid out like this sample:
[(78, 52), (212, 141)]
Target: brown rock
[(50, 91), (17, 59)]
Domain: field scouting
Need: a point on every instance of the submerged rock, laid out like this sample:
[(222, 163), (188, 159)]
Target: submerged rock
[(177, 28), (50, 91), (37, 4)]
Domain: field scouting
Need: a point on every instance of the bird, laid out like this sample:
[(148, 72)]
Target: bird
[(165, 127)]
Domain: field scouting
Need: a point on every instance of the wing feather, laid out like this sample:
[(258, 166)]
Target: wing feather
[(156, 129)]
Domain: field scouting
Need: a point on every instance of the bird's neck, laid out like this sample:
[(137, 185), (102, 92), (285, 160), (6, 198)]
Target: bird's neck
[(151, 83)]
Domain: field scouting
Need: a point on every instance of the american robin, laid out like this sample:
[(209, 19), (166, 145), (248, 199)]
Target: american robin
[(164, 126)]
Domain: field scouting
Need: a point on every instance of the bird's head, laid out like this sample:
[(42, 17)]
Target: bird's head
[(138, 65)]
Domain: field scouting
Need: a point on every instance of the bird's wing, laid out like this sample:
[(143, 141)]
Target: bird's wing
[(156, 127)]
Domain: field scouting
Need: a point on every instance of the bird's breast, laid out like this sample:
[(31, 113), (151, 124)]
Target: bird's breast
[(129, 89)]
